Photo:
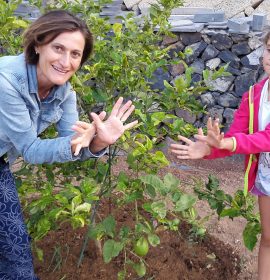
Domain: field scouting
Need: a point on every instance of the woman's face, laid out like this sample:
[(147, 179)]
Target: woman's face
[(59, 59), (266, 58)]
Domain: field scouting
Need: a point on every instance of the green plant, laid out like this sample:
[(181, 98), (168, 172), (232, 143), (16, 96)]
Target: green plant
[(10, 28), (226, 205)]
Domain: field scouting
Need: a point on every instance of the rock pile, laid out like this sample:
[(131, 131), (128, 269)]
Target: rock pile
[(212, 49)]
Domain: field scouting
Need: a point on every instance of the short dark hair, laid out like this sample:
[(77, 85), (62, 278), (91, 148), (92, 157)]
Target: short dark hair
[(266, 35), (47, 27)]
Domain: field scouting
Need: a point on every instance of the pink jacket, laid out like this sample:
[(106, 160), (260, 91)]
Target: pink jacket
[(247, 143)]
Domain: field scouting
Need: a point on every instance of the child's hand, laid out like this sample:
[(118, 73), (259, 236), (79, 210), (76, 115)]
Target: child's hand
[(191, 149), (213, 138)]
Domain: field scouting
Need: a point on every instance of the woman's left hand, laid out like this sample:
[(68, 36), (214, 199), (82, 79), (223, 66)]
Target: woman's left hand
[(109, 131)]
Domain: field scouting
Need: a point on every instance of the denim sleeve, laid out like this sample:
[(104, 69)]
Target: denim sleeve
[(21, 131)]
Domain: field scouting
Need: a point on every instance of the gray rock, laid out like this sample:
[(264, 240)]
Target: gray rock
[(233, 71), (178, 17), (214, 112), (158, 79), (229, 57), (259, 21), (197, 49), (190, 38), (238, 25), (175, 49), (190, 10), (243, 82), (210, 52), (196, 78), (209, 17), (198, 66), (213, 63), (254, 42), (186, 115), (207, 99), (177, 69), (221, 41), (195, 27), (228, 100), (237, 38), (241, 48), (228, 115), (222, 84), (253, 59), (167, 40)]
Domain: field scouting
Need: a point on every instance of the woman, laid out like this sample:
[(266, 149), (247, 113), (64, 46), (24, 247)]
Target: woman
[(249, 134), (35, 93)]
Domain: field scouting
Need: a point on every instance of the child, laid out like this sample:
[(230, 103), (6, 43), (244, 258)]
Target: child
[(249, 134)]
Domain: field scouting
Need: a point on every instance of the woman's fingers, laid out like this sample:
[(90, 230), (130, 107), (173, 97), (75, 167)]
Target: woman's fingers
[(76, 141), (96, 119), (127, 113), (102, 115), (184, 139), (117, 106), (202, 138), (77, 149), (123, 109), (78, 129), (130, 125)]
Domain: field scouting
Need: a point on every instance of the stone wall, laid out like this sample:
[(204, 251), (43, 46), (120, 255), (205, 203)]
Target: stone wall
[(212, 49)]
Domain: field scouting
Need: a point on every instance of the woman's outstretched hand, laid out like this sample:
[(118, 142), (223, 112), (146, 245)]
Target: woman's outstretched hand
[(191, 149), (110, 130)]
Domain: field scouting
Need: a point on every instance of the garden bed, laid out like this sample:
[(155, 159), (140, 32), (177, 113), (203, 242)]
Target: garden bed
[(177, 257)]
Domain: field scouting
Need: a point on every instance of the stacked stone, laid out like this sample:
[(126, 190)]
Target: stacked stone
[(212, 49)]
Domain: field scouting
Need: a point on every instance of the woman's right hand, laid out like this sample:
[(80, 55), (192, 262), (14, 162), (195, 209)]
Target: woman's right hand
[(191, 149)]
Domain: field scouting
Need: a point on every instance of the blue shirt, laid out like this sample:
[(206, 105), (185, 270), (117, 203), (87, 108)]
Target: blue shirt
[(23, 116)]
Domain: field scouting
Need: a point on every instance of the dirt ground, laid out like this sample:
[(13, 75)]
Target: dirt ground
[(176, 258), (230, 172)]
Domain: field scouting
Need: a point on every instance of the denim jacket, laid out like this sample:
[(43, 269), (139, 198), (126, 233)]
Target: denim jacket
[(23, 116)]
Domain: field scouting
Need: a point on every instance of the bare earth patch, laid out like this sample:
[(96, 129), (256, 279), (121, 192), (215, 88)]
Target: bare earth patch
[(230, 172)]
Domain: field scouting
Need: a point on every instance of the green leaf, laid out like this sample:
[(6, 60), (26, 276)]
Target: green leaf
[(39, 253), (159, 207), (171, 181), (185, 202), (117, 28), (153, 240), (121, 275), (154, 181), (232, 212), (139, 268), (111, 249), (150, 191), (250, 233), (85, 207), (109, 226)]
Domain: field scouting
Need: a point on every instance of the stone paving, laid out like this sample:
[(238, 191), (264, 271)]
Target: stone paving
[(192, 17)]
